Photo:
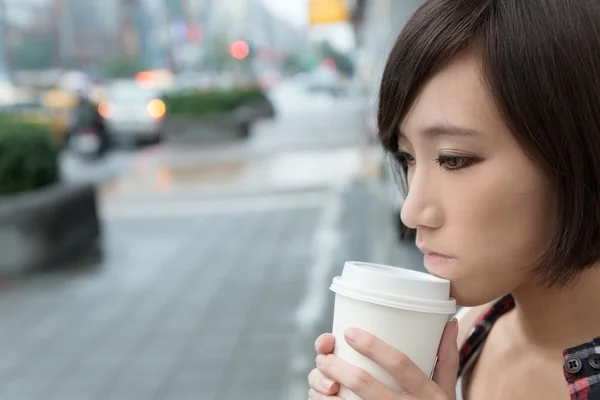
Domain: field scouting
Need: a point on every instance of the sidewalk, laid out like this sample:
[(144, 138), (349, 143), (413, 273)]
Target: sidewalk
[(202, 305), (190, 307)]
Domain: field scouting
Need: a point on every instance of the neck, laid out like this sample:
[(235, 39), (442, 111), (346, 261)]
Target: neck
[(559, 318)]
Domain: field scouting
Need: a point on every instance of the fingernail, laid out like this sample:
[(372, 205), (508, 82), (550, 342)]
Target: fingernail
[(326, 384), (320, 359), (318, 341), (311, 394), (352, 334)]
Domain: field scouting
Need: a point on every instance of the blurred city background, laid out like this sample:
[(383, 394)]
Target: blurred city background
[(179, 182)]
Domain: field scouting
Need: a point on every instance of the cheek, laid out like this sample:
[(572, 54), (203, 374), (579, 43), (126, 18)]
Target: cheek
[(500, 224), (504, 219)]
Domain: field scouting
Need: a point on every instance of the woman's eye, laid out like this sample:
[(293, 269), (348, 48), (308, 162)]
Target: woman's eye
[(404, 159), (452, 163)]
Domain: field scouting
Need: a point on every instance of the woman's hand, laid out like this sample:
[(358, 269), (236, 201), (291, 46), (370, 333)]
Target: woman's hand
[(319, 383), (332, 371)]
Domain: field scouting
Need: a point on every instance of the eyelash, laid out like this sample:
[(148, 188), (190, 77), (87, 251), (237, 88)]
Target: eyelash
[(460, 162)]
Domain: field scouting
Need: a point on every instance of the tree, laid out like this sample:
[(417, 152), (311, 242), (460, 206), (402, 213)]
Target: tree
[(33, 53), (124, 66), (344, 62), (293, 64), (217, 53), (175, 7)]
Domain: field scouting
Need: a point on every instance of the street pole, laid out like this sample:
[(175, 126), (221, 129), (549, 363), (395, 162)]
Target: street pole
[(170, 44), (58, 7), (5, 39)]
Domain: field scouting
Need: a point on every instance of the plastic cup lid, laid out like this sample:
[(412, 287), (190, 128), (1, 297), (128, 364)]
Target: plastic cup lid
[(395, 287)]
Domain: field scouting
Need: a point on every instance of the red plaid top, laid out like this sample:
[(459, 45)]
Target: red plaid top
[(582, 363)]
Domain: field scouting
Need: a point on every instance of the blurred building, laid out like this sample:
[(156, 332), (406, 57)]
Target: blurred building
[(377, 23), (250, 20), (194, 26), (26, 14), (4, 71), (156, 33), (188, 21), (89, 31), (27, 22), (81, 33)]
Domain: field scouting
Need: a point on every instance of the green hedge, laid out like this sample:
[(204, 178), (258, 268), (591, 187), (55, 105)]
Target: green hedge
[(28, 155), (212, 102)]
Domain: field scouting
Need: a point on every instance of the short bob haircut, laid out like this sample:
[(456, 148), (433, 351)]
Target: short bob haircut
[(541, 62)]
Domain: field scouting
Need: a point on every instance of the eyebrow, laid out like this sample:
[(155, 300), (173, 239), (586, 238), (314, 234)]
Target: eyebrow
[(440, 130)]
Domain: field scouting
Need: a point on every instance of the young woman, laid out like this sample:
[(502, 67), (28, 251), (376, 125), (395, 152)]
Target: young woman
[(492, 108)]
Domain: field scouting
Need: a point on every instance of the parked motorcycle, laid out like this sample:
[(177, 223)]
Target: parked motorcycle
[(88, 137)]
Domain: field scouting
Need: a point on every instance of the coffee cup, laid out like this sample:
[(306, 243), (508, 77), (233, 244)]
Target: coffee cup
[(406, 309)]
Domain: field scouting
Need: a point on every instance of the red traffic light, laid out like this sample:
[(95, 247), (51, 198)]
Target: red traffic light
[(194, 34), (239, 49), (329, 63)]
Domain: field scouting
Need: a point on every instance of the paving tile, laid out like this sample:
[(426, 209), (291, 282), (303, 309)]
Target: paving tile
[(180, 309)]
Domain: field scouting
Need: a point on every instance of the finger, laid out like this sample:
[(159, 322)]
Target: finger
[(312, 395), (325, 343), (446, 369), (404, 371), (357, 380), (321, 384)]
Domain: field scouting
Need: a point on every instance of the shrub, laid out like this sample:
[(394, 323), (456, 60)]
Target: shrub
[(28, 155), (211, 102)]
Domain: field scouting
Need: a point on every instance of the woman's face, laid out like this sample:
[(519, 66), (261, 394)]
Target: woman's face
[(482, 210)]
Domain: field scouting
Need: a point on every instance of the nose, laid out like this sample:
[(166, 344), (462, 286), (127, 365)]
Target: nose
[(422, 208)]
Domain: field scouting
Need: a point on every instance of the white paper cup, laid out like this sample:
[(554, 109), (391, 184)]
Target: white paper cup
[(404, 308)]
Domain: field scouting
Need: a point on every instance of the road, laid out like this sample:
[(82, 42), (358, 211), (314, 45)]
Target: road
[(215, 269), (303, 122)]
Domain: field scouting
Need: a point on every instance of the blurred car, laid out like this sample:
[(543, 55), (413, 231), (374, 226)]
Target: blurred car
[(59, 104), (325, 81), (133, 112), (36, 112), (269, 78)]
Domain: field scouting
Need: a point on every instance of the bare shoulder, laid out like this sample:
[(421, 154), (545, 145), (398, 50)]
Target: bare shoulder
[(467, 318)]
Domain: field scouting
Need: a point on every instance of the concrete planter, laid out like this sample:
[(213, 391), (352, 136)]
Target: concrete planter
[(186, 128), (231, 124), (254, 111), (44, 227)]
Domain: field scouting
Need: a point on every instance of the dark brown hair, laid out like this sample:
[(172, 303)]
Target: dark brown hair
[(541, 62)]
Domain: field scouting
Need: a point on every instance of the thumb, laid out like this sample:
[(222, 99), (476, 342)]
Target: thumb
[(446, 369)]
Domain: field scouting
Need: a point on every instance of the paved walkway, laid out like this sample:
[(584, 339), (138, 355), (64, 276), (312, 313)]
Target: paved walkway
[(196, 305), (191, 307)]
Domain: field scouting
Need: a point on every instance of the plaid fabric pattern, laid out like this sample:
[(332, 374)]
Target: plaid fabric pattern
[(482, 329), (585, 359), (584, 384)]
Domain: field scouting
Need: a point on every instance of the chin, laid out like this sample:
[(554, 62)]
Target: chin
[(464, 298), (467, 295), (447, 270), (469, 290)]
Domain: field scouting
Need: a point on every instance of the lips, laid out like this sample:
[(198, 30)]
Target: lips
[(437, 259), (433, 258)]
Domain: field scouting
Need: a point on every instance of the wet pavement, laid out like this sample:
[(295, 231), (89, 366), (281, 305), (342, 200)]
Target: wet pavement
[(196, 307), (214, 277), (77, 169)]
